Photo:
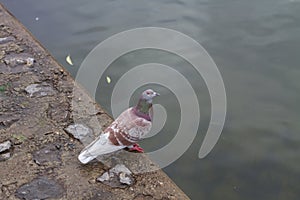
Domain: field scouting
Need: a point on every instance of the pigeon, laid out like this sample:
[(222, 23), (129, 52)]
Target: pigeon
[(125, 131)]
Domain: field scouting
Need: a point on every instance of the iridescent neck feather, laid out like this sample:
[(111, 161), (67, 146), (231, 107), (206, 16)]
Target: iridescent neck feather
[(142, 109)]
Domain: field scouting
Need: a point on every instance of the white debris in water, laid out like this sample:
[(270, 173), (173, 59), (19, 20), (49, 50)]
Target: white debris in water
[(108, 79), (69, 60)]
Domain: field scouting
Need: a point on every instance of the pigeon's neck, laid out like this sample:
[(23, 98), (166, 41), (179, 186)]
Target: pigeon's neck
[(142, 109), (143, 106)]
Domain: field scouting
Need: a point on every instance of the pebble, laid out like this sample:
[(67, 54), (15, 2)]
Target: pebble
[(124, 178), (19, 59), (5, 146), (104, 177), (79, 131), (5, 156), (4, 40), (39, 90), (119, 176), (160, 183), (40, 188), (49, 154), (5, 152)]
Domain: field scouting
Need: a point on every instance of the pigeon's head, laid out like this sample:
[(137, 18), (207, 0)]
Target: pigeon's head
[(148, 95)]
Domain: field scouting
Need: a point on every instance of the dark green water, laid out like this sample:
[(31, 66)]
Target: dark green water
[(256, 46)]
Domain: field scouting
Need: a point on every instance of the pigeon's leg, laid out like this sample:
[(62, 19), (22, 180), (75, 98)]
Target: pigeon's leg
[(136, 147)]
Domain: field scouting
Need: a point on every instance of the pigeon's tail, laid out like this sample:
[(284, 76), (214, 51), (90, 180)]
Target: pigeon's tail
[(85, 157), (98, 147)]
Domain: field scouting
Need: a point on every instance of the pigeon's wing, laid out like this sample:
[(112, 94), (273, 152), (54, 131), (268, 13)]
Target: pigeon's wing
[(99, 146), (108, 142), (140, 127), (133, 127)]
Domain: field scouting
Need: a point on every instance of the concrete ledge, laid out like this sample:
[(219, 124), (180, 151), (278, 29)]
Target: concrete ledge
[(39, 159)]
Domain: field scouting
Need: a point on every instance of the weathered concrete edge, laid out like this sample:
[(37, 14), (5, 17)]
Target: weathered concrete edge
[(27, 37)]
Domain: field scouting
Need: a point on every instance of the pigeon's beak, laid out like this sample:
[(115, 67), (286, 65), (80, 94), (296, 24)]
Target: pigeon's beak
[(156, 94)]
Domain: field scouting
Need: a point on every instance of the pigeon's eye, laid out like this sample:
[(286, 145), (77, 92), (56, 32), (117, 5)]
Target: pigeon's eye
[(148, 93)]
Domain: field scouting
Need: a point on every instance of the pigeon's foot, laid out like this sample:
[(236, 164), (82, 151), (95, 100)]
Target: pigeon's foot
[(136, 147)]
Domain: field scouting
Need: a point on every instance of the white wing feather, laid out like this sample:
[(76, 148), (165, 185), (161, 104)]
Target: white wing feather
[(100, 146)]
